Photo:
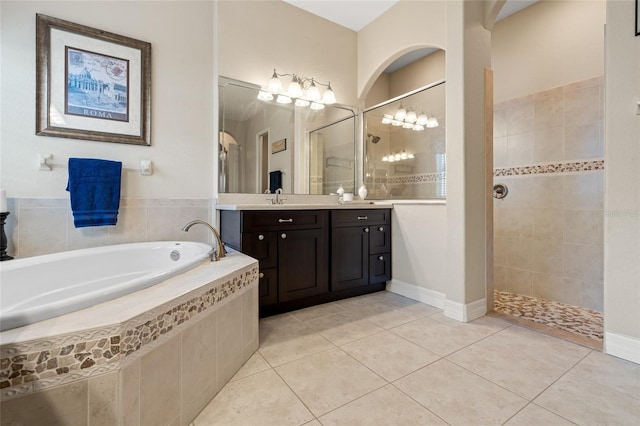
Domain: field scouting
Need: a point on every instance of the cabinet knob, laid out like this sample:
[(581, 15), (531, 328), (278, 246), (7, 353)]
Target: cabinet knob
[(381, 229), (261, 275), (363, 217), (261, 237), (380, 257), (366, 229), (283, 236), (290, 220)]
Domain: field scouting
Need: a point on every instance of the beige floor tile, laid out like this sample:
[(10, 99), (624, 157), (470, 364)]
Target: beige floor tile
[(589, 403), (343, 327), (261, 399), (390, 318), (459, 396), (255, 364), (284, 339), (313, 422), (389, 355), (520, 360), (317, 311), (435, 336), (532, 415), (483, 326), (328, 380), (385, 407), (611, 372)]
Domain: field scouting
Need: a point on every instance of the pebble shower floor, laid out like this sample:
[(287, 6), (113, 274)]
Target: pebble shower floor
[(573, 319)]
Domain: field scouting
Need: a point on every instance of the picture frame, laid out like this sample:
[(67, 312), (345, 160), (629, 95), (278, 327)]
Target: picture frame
[(91, 84), (637, 18), (279, 146)]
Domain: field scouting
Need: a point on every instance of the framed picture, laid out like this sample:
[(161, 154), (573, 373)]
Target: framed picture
[(279, 146), (91, 84), (637, 18)]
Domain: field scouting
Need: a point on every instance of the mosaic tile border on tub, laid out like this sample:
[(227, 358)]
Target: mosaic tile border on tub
[(564, 167), (28, 367)]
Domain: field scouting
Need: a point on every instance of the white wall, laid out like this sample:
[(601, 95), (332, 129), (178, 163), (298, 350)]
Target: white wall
[(622, 184), (550, 44), (180, 33)]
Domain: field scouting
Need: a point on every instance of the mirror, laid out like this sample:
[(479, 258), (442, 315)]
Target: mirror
[(264, 145), (406, 146)]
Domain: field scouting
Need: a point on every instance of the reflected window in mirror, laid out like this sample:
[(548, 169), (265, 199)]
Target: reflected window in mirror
[(405, 146)]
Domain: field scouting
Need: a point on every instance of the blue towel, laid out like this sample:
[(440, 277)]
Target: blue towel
[(94, 189), (275, 180)]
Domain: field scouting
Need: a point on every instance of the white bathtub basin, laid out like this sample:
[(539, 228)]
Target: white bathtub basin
[(42, 287)]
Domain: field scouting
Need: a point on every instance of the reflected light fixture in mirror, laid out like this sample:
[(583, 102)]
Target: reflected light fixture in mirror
[(303, 89), (408, 119)]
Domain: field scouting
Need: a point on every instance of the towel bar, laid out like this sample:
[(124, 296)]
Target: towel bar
[(45, 165)]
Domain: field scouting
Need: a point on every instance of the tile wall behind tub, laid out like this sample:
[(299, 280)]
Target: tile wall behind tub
[(39, 226), (548, 231)]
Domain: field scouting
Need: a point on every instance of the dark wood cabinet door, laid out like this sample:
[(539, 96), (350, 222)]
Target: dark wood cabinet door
[(379, 268), (262, 246), (349, 257), (302, 263), (380, 239), (268, 282)]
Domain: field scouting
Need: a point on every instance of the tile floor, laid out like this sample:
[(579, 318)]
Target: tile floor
[(383, 359)]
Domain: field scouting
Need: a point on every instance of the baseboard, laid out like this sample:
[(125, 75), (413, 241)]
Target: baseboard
[(465, 313), (421, 294), (624, 347)]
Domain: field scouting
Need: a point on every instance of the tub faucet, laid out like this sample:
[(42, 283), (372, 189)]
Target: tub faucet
[(220, 252)]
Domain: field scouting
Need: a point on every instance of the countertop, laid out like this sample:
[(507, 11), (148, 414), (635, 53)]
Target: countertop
[(299, 206)]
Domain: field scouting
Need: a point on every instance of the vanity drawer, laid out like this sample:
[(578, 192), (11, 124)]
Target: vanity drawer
[(267, 220), (341, 218)]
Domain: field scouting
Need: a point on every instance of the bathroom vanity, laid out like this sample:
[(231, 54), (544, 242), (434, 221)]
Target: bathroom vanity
[(312, 254)]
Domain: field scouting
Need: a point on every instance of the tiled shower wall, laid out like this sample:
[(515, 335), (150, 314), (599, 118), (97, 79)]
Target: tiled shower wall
[(548, 231), (38, 226)]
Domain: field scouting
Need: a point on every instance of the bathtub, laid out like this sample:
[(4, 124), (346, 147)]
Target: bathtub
[(42, 287)]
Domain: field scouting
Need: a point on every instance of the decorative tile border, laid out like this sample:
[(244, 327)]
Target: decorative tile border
[(565, 167), (408, 179), (29, 366)]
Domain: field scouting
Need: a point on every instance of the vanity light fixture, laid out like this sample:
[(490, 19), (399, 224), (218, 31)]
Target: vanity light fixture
[(304, 90)]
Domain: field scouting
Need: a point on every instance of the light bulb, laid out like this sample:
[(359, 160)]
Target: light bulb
[(396, 123), (282, 99), (312, 92), (422, 119), (301, 102), (401, 113), (329, 97), (316, 106), (407, 125), (410, 156), (387, 119), (294, 89), (397, 157), (411, 117), (264, 96), (275, 85), (417, 127), (385, 158), (433, 122), (403, 155)]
